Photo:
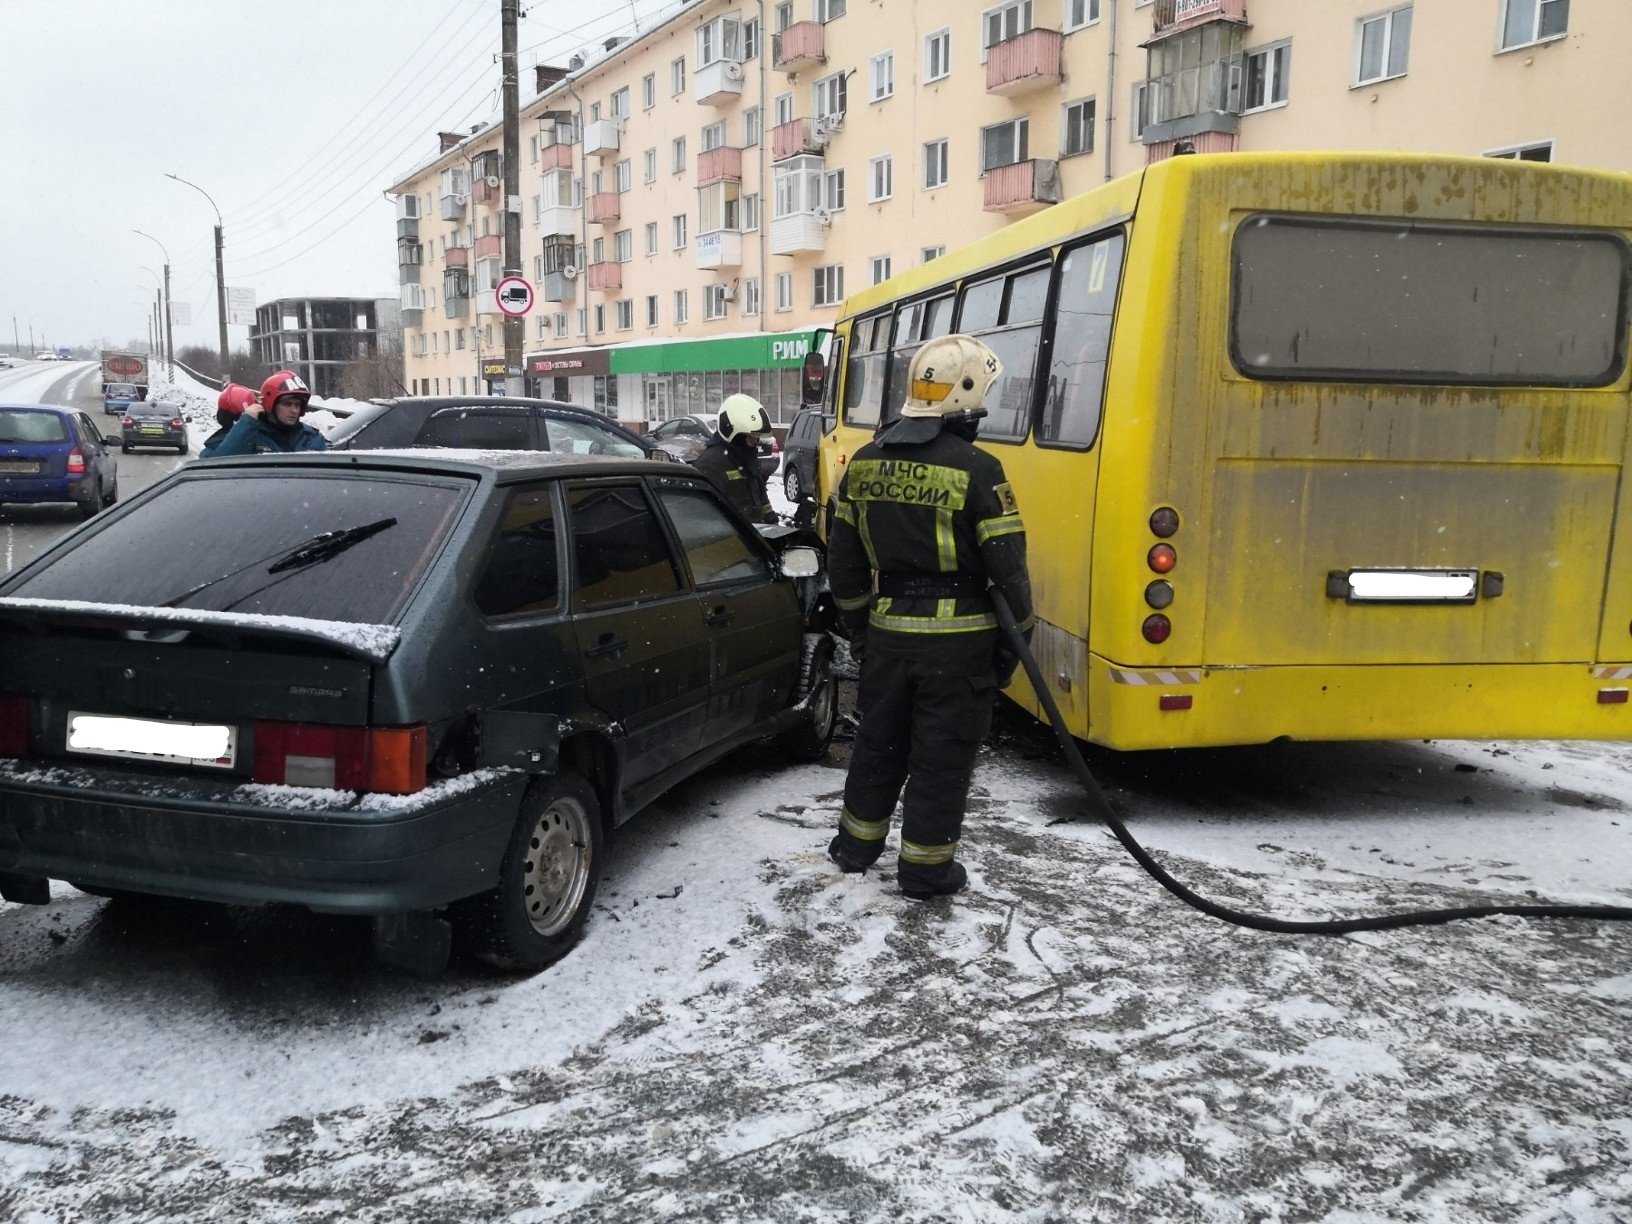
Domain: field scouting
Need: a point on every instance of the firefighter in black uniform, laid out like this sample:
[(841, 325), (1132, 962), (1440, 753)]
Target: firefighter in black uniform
[(731, 458), (925, 522)]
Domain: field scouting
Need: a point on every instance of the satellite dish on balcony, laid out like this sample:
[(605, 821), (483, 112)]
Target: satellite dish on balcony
[(569, 272)]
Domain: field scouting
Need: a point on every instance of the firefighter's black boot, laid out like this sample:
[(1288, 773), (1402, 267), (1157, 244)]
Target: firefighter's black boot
[(850, 854), (923, 883)]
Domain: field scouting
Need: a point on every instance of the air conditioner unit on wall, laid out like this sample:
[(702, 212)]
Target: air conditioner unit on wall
[(728, 293), (833, 122)]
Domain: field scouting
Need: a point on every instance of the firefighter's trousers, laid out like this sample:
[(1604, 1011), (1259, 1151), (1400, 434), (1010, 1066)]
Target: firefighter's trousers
[(925, 706)]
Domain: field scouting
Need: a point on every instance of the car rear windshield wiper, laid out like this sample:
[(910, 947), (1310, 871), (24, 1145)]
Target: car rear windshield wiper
[(319, 548)]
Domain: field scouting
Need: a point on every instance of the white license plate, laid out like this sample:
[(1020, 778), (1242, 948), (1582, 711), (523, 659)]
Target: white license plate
[(20, 467), (1413, 586), (209, 745)]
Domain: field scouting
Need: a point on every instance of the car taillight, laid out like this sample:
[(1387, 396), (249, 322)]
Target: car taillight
[(13, 726), (175, 423), (128, 421), (390, 760), (76, 462)]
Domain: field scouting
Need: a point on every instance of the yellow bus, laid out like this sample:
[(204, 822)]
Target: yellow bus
[(1310, 446)]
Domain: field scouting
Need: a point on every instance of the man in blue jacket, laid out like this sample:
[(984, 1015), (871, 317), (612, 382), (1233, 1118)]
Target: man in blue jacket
[(272, 426)]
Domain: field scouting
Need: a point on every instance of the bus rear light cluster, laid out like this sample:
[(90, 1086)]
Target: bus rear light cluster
[(1162, 558)]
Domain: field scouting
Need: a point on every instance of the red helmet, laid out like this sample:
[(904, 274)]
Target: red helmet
[(284, 382), (234, 399)]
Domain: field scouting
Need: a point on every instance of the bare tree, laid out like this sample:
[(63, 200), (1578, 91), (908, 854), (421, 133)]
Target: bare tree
[(377, 375)]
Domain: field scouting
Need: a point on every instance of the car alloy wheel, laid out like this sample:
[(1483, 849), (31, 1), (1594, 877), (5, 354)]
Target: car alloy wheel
[(791, 485)]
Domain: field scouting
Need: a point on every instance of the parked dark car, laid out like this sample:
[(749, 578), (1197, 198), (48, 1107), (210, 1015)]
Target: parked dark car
[(489, 423), (419, 686), (154, 423), (799, 455), (686, 436), (50, 454)]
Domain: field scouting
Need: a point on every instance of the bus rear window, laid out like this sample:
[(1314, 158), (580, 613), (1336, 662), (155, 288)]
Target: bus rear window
[(1346, 300)]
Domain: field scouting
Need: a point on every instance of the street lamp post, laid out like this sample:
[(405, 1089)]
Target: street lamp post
[(220, 277), (169, 332)]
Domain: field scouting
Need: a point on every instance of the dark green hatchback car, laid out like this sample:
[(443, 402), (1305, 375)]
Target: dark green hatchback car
[(419, 686)]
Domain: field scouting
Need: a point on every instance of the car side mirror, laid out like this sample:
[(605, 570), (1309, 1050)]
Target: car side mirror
[(801, 562), (814, 381), (112, 440), (657, 452)]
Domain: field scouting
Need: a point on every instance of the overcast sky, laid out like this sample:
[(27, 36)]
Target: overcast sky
[(293, 116)]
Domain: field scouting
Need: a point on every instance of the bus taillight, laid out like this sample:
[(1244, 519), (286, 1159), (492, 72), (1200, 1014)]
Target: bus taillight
[(1164, 522), (1162, 558), (1159, 594), (1156, 628)]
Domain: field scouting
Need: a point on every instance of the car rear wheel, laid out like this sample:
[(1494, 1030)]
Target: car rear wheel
[(792, 486), (127, 448), (546, 883), (818, 693), (89, 509)]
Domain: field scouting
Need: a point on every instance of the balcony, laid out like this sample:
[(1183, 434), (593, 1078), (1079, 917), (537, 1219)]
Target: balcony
[(1201, 142), (490, 246), (601, 137), (796, 137), (605, 207), (409, 252), (555, 157), (413, 305), (558, 221), (721, 165), (798, 46), (721, 249), (1171, 16), (1024, 187), (608, 274), (408, 227), (1025, 62), (453, 207), (488, 190), (456, 307), (718, 84), (559, 287), (798, 233), (456, 257)]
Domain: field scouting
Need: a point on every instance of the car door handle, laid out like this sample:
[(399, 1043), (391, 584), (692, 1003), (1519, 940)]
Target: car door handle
[(607, 647), (719, 616)]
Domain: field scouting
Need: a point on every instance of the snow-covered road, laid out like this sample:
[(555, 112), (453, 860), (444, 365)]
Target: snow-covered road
[(745, 1035)]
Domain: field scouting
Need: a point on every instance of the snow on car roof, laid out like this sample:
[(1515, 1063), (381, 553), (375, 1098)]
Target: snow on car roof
[(372, 642)]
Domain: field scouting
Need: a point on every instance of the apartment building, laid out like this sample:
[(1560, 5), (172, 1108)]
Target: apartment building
[(699, 198), (318, 337)]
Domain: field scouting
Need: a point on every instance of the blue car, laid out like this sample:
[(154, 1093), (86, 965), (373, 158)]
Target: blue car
[(50, 454), (118, 397)]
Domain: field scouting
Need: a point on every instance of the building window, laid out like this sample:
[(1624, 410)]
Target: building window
[(622, 176), (714, 302), (681, 310), (782, 108), (784, 17), (648, 90), (937, 55), (880, 178), (719, 41), (1382, 46), (750, 39), (1528, 21), (626, 315), (750, 127), (1267, 70), (881, 268), (1078, 133), (784, 290), (561, 326), (678, 158), (600, 318), (934, 252), (830, 95), (829, 10), (833, 190), (651, 310), (583, 321), (649, 165), (881, 76), (1540, 151), (679, 230), (1003, 23), (750, 296), (1141, 110), (620, 103), (1079, 13), (598, 248), (623, 246), (1003, 144), (714, 135), (532, 154), (934, 165), (827, 285), (750, 213), (677, 76), (651, 237)]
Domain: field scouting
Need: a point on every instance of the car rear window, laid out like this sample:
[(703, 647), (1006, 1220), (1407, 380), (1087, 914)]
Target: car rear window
[(217, 543), (122, 389), (21, 425)]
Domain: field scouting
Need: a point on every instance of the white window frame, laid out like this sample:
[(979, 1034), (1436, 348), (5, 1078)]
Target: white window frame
[(1019, 142), (783, 16), (750, 127), (935, 163), (833, 192), (620, 103), (830, 95), (1277, 81), (648, 90), (784, 291), (880, 178), (623, 177), (1080, 14), (714, 304), (1387, 19), (943, 36), (561, 325), (651, 310), (626, 314), (750, 212), (677, 155), (782, 108), (651, 237), (713, 135), (827, 285), (678, 223), (1139, 105), (649, 166), (879, 265), (623, 246), (1024, 14), (881, 76), (1515, 152), (1536, 36), (750, 296), (1065, 126), (829, 10), (927, 254), (677, 76), (682, 306)]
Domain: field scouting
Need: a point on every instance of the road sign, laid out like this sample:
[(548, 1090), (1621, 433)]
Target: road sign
[(240, 306), (514, 296)]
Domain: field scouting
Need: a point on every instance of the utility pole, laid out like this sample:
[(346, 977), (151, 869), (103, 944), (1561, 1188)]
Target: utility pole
[(169, 331), (515, 330), (16, 340), (220, 275)]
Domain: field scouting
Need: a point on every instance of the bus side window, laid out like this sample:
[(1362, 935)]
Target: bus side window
[(1082, 342), (914, 324), (1007, 313), (864, 371)]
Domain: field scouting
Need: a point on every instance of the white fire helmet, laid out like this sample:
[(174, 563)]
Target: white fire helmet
[(742, 414), (949, 375)]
